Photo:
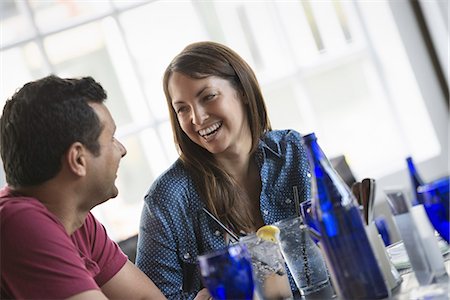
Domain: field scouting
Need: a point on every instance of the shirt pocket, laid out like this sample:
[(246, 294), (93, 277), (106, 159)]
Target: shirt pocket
[(279, 205), (191, 273)]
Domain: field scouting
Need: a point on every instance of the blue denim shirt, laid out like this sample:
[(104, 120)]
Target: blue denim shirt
[(174, 230)]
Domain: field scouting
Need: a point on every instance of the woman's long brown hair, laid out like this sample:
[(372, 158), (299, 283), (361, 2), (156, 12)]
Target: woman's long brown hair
[(221, 193)]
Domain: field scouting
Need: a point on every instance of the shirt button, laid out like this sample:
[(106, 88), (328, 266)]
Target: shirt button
[(217, 233), (265, 212), (187, 255), (308, 175), (288, 201)]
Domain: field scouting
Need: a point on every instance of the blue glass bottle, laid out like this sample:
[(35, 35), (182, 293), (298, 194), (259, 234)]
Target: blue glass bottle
[(416, 181), (351, 259)]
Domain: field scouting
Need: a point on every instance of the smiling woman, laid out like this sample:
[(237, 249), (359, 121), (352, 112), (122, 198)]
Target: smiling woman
[(231, 163)]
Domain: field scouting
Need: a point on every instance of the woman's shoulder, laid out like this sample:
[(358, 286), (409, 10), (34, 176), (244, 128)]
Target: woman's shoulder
[(172, 183), (281, 136)]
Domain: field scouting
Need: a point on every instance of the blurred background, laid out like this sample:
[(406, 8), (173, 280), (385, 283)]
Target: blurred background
[(369, 77)]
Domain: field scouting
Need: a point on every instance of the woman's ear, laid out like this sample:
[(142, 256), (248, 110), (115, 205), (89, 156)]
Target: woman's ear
[(76, 159), (244, 98)]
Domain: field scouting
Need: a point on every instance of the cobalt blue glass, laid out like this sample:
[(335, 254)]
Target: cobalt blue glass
[(350, 257), (227, 273), (416, 181), (382, 227), (435, 197)]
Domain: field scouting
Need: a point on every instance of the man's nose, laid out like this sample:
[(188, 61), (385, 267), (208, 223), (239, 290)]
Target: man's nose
[(123, 150)]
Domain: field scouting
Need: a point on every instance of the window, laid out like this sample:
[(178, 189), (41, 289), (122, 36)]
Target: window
[(342, 69)]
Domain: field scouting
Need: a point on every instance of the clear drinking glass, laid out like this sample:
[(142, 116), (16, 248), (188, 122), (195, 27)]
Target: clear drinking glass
[(303, 256), (308, 218), (227, 273), (269, 268)]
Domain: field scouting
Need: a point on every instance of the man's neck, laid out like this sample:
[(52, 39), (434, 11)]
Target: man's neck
[(61, 202)]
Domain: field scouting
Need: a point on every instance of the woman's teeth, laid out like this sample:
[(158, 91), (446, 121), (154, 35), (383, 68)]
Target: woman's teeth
[(211, 129)]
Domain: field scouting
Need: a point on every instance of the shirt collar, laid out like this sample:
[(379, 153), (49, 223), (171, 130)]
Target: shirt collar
[(5, 191), (266, 149)]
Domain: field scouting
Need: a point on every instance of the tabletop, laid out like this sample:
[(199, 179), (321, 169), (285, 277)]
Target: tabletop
[(403, 292)]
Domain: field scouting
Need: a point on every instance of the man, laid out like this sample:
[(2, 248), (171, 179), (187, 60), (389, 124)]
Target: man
[(61, 158)]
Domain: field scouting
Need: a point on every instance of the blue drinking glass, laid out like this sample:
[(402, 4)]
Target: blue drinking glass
[(435, 197), (227, 273), (382, 227)]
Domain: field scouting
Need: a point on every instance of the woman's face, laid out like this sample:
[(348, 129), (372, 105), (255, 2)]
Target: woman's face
[(211, 112)]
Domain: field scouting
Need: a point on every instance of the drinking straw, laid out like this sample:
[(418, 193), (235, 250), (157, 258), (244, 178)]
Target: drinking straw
[(231, 233), (296, 200)]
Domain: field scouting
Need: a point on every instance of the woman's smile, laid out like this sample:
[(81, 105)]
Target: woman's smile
[(210, 131)]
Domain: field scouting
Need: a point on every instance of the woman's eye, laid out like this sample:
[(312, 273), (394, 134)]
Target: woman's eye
[(210, 96)]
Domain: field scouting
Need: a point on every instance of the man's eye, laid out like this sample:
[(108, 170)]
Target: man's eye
[(182, 109)]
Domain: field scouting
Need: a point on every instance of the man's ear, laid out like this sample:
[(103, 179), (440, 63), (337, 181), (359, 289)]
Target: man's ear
[(76, 159)]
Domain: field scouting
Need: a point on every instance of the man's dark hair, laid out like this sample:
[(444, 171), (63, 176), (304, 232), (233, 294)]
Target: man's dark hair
[(42, 120)]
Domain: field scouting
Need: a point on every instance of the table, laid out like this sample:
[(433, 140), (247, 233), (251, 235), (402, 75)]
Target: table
[(400, 293), (410, 283)]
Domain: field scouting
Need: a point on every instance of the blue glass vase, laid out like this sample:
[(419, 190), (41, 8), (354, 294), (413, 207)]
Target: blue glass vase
[(416, 181), (351, 260)]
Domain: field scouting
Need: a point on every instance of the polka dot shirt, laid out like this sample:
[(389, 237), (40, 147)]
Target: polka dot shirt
[(174, 230)]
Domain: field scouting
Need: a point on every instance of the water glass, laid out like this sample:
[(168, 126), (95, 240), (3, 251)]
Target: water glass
[(303, 257), (306, 212), (269, 268), (227, 273), (435, 196)]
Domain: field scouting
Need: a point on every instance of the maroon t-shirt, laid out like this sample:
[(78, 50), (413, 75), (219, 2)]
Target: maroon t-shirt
[(40, 260)]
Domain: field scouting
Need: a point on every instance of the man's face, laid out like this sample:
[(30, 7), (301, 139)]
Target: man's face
[(102, 169)]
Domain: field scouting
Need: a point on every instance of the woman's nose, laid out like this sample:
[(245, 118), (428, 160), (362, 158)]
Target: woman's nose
[(199, 115)]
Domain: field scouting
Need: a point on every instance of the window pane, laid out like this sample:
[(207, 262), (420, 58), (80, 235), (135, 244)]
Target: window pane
[(52, 14), (94, 50), (406, 104), (121, 4), (13, 22), (19, 65), (156, 33)]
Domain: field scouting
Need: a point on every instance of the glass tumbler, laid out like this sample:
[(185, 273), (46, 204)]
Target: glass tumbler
[(305, 210), (303, 256), (227, 273), (269, 268)]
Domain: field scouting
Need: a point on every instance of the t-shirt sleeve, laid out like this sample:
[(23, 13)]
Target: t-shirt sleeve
[(104, 251), (38, 257)]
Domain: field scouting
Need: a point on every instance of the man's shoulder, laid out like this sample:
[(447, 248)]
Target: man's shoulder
[(19, 206)]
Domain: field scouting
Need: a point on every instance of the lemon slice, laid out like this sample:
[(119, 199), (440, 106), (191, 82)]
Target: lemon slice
[(269, 233)]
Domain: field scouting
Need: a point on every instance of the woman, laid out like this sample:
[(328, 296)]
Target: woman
[(231, 163)]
